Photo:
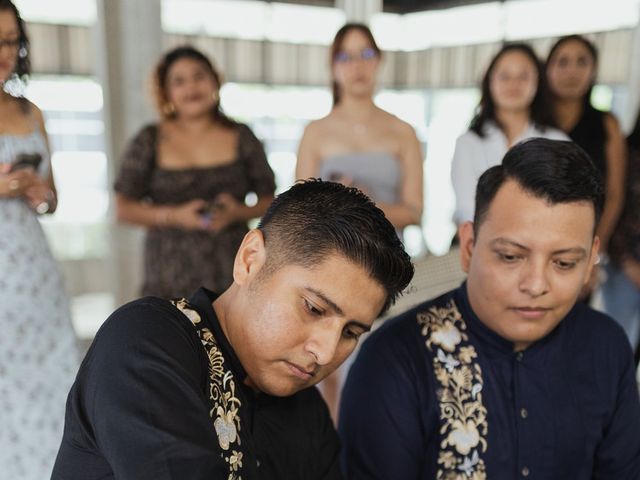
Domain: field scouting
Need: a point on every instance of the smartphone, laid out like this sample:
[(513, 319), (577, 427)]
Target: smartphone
[(26, 160)]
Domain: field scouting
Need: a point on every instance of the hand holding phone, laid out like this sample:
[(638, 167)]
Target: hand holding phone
[(26, 160)]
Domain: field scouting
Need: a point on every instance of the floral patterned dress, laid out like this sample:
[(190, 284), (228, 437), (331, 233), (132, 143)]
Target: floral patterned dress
[(38, 355), (177, 262)]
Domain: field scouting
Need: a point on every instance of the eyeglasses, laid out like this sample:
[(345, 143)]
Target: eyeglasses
[(13, 44), (365, 54)]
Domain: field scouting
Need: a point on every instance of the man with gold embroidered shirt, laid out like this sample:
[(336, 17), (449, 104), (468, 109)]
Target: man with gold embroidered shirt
[(221, 387), (505, 377)]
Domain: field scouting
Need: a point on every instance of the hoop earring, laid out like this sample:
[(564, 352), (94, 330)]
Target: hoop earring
[(168, 109)]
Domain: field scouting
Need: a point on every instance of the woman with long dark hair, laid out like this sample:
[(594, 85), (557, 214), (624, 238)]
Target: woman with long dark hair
[(38, 354), (360, 144), (513, 106), (186, 178), (571, 72)]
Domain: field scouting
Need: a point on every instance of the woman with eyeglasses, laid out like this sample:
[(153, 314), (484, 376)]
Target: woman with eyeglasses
[(360, 144), (38, 353), (513, 107)]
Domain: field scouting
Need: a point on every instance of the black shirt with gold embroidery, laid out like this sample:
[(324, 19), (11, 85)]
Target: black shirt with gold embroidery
[(141, 407)]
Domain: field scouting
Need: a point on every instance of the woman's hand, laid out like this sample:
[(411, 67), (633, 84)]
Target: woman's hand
[(227, 210), (40, 196), (188, 216), (16, 184)]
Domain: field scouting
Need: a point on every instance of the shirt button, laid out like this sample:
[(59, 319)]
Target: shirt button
[(525, 472), (524, 413), (519, 356)]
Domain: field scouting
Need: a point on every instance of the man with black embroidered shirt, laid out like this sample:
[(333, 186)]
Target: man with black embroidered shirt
[(505, 377), (221, 387)]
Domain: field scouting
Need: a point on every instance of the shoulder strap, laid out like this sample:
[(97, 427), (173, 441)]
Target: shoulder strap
[(463, 417)]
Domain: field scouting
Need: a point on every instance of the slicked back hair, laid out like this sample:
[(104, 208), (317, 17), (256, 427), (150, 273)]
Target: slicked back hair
[(315, 219), (554, 170)]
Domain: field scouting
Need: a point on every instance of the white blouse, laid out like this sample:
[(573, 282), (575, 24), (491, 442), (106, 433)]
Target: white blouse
[(474, 154)]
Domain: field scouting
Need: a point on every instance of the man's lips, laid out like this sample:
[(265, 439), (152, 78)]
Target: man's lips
[(299, 371), (531, 312)]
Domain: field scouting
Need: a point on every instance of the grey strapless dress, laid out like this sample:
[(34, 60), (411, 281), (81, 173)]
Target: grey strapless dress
[(38, 355), (378, 173)]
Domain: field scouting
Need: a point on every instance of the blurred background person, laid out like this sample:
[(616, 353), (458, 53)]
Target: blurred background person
[(571, 72), (513, 106), (186, 179), (360, 144), (621, 288), (38, 355)]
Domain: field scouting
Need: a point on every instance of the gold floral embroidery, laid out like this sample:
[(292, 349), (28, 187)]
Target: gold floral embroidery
[(222, 395), (463, 416)]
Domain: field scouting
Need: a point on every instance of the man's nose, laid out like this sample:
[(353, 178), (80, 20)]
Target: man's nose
[(323, 343)]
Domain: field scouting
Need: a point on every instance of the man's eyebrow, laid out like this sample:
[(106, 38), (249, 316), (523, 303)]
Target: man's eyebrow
[(505, 241), (337, 309), (326, 300), (577, 250)]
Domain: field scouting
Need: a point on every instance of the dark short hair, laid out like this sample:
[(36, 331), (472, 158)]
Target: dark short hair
[(591, 48), (336, 46), (540, 110), (554, 170), (23, 63), (315, 218)]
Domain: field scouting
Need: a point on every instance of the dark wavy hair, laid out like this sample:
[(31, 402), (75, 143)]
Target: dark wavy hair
[(540, 113), (336, 46), (23, 63), (593, 51), (315, 219), (161, 74)]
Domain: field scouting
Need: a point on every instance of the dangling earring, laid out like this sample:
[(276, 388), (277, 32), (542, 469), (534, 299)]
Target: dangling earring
[(22, 53), (168, 109)]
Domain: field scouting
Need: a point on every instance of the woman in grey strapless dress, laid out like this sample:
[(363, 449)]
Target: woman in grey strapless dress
[(362, 145), (38, 356)]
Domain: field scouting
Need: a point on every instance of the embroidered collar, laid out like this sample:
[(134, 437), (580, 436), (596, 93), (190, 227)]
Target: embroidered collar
[(224, 403), (463, 416), (202, 300)]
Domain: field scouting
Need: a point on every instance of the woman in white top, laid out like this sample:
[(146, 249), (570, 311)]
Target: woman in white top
[(513, 107)]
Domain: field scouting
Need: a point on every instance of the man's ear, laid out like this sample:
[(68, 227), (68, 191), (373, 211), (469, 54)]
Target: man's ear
[(250, 258), (466, 236), (594, 258)]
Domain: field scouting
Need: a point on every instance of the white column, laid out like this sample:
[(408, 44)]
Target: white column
[(128, 43), (359, 10)]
